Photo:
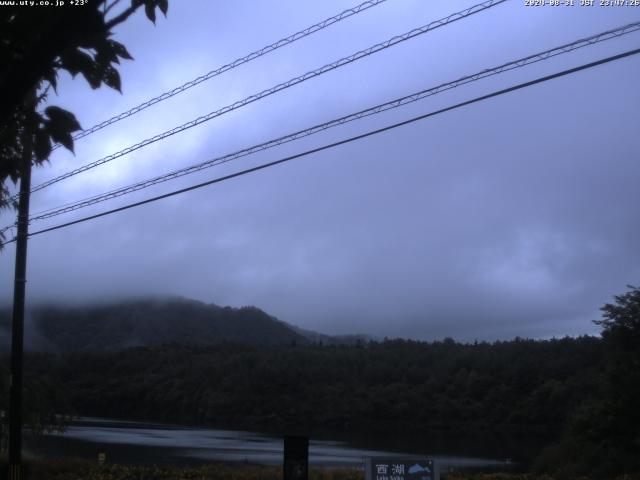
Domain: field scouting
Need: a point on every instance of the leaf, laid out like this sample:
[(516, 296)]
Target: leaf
[(106, 53), (52, 77), (150, 10), (60, 125), (41, 145), (121, 50), (90, 40), (164, 6), (111, 77), (62, 119), (93, 78), (76, 62), (63, 138)]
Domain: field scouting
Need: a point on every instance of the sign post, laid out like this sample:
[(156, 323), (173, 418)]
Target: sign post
[(296, 458)]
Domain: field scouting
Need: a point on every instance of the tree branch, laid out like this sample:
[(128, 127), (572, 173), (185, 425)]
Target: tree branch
[(109, 7), (122, 17)]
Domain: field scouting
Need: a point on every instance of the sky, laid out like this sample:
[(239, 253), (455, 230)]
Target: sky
[(516, 216)]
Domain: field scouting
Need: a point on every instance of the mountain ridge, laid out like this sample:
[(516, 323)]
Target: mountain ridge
[(153, 321)]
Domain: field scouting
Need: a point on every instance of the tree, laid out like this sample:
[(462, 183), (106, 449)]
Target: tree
[(621, 334), (603, 434), (621, 322), (36, 43)]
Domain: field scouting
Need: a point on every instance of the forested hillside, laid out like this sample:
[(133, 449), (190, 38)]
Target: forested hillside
[(147, 322), (400, 384), (393, 385)]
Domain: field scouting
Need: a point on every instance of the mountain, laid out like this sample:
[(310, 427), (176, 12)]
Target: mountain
[(146, 322)]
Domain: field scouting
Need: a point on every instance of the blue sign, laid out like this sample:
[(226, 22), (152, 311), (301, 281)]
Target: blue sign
[(400, 469)]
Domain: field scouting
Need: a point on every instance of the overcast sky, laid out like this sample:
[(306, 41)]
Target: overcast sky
[(516, 216)]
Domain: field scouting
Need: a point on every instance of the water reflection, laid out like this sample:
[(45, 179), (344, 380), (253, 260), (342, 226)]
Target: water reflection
[(132, 442)]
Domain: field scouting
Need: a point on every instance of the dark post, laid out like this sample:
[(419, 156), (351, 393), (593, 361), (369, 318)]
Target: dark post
[(296, 458), (17, 328)]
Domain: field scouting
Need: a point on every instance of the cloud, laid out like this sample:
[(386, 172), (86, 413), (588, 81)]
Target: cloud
[(517, 216)]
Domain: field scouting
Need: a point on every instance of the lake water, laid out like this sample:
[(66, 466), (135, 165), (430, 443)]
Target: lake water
[(145, 443)]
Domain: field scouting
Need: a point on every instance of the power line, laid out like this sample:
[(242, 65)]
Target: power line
[(345, 141), (7, 228), (284, 85), (593, 39), (236, 63)]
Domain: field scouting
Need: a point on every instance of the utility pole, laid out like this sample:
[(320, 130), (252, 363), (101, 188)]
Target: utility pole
[(17, 328)]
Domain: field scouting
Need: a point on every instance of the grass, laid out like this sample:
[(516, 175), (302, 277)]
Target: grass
[(77, 469)]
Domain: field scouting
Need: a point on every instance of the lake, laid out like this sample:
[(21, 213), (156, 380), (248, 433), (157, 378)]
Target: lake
[(147, 443)]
